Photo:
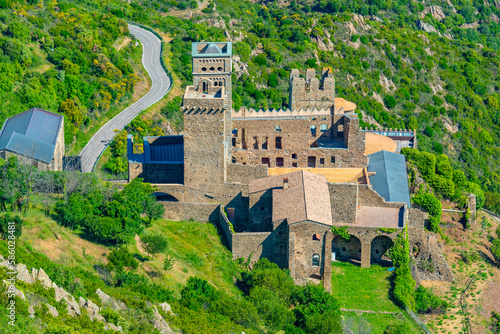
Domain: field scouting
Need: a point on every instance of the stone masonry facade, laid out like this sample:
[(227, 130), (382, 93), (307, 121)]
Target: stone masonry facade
[(227, 155)]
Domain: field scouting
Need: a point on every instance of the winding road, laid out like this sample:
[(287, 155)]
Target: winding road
[(160, 85)]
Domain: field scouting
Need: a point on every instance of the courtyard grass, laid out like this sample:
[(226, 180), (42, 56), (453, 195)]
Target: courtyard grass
[(368, 289), (362, 288)]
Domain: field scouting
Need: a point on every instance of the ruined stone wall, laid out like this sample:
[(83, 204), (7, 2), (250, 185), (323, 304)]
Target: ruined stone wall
[(343, 199), (311, 92), (201, 212), (27, 161), (255, 140), (346, 250), (309, 239), (244, 173)]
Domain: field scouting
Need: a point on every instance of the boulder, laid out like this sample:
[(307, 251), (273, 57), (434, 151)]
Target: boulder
[(72, 306), (4, 262), (34, 274), (166, 308), (23, 274), (361, 22), (60, 293), (53, 311), (43, 278), (92, 309), (82, 302), (425, 26)]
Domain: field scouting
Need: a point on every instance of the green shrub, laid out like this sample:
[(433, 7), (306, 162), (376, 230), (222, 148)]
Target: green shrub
[(121, 258), (427, 302)]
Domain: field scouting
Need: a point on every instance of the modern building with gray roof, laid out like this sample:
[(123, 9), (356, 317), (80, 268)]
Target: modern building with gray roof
[(390, 179), (37, 136)]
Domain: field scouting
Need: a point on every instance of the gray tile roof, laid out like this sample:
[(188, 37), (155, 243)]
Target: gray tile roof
[(32, 133), (390, 180)]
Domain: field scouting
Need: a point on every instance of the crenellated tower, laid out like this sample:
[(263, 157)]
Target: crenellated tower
[(312, 92)]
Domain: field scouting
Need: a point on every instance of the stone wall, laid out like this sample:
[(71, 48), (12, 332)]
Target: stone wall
[(244, 173), (310, 240), (344, 202), (57, 161), (226, 227), (202, 212), (254, 244), (157, 172), (311, 92), (369, 197), (256, 139), (260, 212)]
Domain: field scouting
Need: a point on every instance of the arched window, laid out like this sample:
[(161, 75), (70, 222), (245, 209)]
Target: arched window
[(315, 260), (212, 69), (205, 87), (316, 236), (219, 69), (313, 130), (216, 83), (203, 69)]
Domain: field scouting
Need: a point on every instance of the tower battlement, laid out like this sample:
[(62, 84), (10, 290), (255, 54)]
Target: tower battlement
[(312, 92)]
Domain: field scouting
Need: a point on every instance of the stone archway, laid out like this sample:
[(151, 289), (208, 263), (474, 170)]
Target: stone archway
[(347, 250), (164, 197), (379, 246)]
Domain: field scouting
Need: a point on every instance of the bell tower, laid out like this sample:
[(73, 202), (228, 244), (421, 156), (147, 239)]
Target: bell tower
[(207, 118)]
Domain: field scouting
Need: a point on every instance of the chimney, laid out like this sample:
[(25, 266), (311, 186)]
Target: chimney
[(285, 183)]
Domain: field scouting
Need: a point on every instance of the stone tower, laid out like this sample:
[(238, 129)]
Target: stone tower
[(312, 92), (207, 119)]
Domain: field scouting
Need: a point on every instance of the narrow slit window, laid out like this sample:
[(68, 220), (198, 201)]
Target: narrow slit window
[(278, 143)]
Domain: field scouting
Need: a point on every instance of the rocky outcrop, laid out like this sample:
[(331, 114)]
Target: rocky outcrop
[(350, 28), (111, 302), (473, 25), (23, 274), (160, 323), (435, 11), (53, 310), (43, 278), (425, 26), (361, 22), (92, 309)]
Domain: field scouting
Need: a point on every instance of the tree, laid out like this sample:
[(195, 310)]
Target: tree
[(153, 243), (10, 226), (121, 258), (153, 209), (71, 110)]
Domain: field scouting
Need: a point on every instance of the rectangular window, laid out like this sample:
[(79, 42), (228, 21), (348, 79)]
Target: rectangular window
[(294, 155), (311, 162), (340, 131), (278, 129), (323, 127), (233, 141), (313, 130), (266, 161), (279, 162), (255, 143), (264, 144), (278, 143), (332, 159), (294, 164), (322, 161)]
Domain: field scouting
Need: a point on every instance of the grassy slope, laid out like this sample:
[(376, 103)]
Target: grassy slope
[(206, 257), (367, 289)]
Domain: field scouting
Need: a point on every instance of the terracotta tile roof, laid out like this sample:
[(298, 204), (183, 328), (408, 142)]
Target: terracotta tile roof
[(306, 198), (380, 217)]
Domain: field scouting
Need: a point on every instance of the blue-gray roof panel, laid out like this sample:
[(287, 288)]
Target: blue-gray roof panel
[(390, 180), (32, 133)]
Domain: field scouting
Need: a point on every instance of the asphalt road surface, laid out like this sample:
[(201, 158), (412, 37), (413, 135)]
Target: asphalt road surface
[(160, 86)]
